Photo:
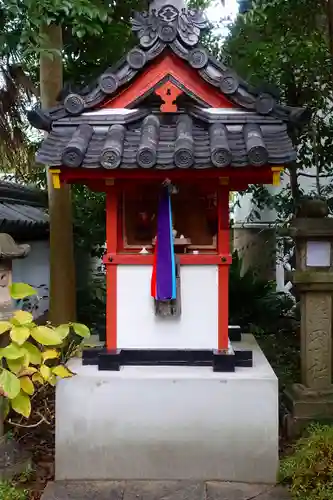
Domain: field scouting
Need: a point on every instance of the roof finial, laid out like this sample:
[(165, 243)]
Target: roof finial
[(168, 20), (158, 4)]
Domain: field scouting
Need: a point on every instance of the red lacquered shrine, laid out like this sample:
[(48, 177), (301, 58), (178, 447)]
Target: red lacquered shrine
[(167, 133)]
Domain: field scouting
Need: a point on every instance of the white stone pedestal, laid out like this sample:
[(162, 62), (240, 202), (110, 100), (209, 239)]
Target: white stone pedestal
[(169, 423)]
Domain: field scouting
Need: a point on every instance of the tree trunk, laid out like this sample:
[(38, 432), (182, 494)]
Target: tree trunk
[(62, 267), (330, 28)]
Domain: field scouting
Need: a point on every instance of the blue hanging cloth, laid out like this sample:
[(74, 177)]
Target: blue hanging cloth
[(163, 283)]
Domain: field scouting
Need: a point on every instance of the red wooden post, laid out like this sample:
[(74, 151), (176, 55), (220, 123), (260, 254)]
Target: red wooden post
[(223, 242), (111, 270)]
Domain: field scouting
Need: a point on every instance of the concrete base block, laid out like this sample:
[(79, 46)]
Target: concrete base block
[(169, 423)]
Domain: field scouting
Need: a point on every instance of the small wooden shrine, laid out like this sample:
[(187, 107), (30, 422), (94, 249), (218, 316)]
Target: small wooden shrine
[(167, 122)]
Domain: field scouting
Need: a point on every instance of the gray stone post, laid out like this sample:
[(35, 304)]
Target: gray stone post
[(312, 399)]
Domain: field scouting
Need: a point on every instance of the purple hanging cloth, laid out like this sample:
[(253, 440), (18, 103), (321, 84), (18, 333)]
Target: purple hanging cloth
[(164, 272)]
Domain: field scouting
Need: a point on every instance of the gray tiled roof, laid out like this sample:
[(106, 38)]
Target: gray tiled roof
[(22, 214), (79, 139), (22, 210), (169, 142)]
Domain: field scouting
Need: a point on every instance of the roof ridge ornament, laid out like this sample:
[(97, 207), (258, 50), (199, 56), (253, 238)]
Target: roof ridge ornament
[(168, 23)]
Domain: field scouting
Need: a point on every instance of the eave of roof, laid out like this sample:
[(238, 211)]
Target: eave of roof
[(23, 211), (200, 139), (21, 194)]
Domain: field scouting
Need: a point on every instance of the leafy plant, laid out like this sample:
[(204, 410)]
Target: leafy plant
[(309, 470), (91, 305), (10, 492), (32, 303), (253, 300), (33, 355), (266, 45)]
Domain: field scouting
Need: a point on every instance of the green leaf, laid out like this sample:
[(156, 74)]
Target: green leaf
[(23, 317), (27, 386), (20, 291), (27, 371), (22, 405), (19, 334), (80, 33), (34, 354), (12, 351), (37, 378), (81, 330), (50, 354), (5, 326), (10, 384), (45, 372), (46, 336), (62, 331), (62, 372), (15, 365)]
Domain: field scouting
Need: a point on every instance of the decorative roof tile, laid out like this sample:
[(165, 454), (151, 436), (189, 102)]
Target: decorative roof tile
[(174, 141), (179, 30)]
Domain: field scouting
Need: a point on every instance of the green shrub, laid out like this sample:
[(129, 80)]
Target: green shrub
[(9, 492), (254, 301), (91, 305), (309, 470)]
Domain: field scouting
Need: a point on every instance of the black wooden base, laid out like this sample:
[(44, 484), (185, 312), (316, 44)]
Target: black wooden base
[(235, 333), (220, 361)]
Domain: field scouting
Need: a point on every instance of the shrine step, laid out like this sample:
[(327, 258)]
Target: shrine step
[(155, 490)]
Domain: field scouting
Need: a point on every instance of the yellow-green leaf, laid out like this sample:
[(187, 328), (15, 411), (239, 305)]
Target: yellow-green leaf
[(37, 378), (21, 404), (27, 371), (62, 331), (9, 384), (52, 380), (20, 291), (45, 372), (12, 351), (15, 365), (46, 336), (23, 317), (19, 334), (34, 354), (5, 326), (62, 372), (50, 354), (27, 386), (81, 330)]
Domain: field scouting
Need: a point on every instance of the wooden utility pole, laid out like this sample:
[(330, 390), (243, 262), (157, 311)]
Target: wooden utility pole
[(62, 264)]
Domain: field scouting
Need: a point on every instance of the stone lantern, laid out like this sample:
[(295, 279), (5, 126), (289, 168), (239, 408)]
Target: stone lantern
[(312, 231), (9, 250)]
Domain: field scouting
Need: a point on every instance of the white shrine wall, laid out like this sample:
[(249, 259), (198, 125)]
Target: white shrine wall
[(137, 325)]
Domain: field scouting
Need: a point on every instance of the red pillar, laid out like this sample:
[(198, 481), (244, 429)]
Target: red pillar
[(111, 268), (223, 245)]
